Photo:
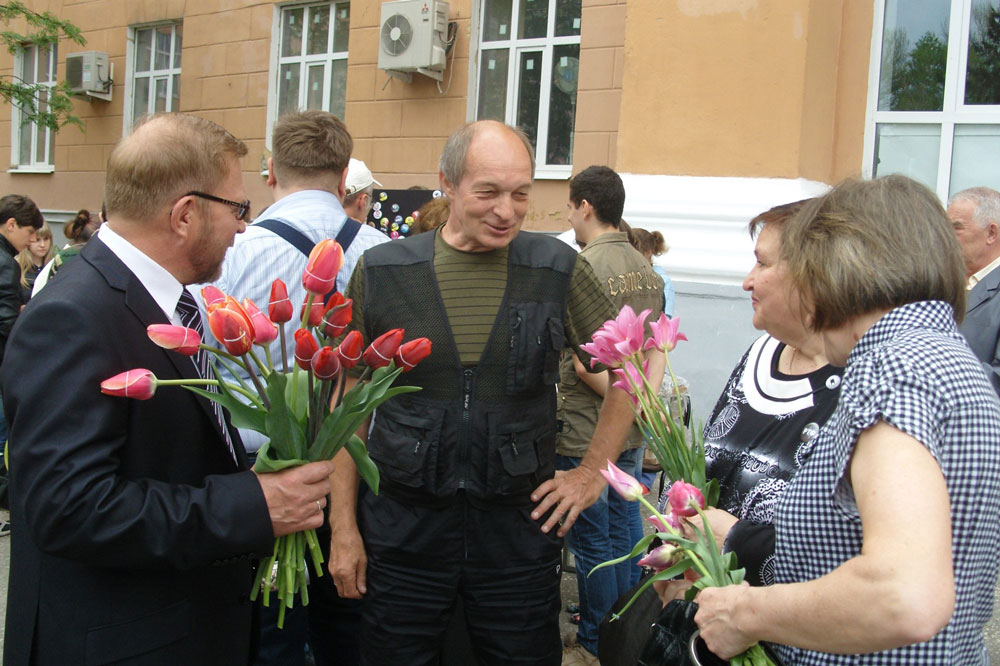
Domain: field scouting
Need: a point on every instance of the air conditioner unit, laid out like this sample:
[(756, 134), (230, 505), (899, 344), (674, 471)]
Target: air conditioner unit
[(412, 38), (88, 73)]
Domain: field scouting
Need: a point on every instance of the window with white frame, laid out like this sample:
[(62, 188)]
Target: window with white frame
[(155, 81), (33, 145), (936, 93), (312, 57), (529, 60)]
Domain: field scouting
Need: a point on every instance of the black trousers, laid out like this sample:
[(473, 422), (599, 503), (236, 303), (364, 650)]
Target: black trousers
[(421, 560)]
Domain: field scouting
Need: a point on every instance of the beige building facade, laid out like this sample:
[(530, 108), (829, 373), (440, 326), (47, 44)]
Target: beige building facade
[(712, 110)]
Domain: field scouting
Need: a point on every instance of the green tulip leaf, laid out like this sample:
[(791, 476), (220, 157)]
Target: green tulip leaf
[(366, 466), (240, 415)]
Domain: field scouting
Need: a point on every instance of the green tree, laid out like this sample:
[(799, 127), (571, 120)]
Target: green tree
[(44, 31), (982, 82), (919, 84)]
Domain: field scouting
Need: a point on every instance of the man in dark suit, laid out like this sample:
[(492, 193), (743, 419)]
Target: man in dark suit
[(975, 214), (139, 519)]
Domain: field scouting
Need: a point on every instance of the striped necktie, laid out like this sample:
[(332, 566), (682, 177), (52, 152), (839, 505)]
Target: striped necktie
[(187, 310)]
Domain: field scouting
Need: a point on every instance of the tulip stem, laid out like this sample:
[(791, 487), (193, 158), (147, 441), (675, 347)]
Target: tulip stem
[(311, 426), (256, 382), (306, 310), (284, 350), (220, 352), (264, 369)]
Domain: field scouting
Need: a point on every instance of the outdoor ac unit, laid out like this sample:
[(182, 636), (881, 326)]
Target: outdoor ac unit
[(88, 73), (412, 38)]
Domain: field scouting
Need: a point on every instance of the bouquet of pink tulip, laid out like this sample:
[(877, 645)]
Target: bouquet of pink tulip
[(618, 345), (293, 408), (678, 554)]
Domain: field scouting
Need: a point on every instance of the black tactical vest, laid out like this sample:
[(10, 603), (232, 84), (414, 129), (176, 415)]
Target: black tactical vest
[(490, 429)]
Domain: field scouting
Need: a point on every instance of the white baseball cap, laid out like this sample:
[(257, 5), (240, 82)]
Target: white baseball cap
[(359, 176)]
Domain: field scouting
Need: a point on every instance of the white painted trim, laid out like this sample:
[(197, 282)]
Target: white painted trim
[(475, 43), (272, 74), (129, 94), (704, 219)]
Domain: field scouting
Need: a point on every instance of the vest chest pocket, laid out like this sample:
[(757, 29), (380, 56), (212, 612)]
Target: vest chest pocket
[(537, 336), (514, 465), (405, 446)]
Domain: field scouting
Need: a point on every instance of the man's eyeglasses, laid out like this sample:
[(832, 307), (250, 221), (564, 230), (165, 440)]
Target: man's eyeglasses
[(242, 209)]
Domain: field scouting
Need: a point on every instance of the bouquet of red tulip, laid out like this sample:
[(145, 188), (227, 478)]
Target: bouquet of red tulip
[(293, 407)]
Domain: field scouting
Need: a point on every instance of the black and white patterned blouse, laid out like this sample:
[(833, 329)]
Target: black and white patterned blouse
[(914, 371)]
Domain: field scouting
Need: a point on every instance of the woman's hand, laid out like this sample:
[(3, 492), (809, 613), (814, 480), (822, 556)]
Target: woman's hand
[(716, 619), (720, 521)]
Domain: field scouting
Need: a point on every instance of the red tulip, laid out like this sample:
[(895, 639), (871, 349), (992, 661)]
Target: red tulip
[(685, 499), (180, 339), (237, 331), (350, 348), (411, 353), (231, 305), (264, 330), (279, 308), (383, 348), (315, 311), (325, 261), (212, 297), (138, 383), (305, 347), (325, 363), (337, 315)]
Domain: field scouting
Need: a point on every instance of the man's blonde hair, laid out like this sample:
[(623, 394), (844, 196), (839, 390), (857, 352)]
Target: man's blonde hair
[(166, 156), (872, 245)]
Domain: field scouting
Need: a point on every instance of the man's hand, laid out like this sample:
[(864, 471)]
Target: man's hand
[(348, 563), (295, 497), (570, 493)]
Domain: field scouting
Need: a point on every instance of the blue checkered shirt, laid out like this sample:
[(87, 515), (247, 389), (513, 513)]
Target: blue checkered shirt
[(259, 256), (914, 371)]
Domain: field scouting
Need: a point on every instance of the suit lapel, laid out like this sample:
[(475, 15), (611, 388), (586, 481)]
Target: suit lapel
[(984, 290), (141, 304)]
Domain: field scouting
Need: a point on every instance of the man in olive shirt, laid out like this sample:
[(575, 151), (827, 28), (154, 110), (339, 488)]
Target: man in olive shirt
[(464, 461), (609, 527)]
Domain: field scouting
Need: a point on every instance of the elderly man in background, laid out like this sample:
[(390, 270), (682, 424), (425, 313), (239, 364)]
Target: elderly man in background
[(140, 517), (308, 173), (975, 216), (464, 459)]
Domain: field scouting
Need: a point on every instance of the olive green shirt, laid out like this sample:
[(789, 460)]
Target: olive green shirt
[(627, 279)]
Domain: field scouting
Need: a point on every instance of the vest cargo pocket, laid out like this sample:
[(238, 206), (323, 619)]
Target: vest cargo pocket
[(536, 338), (405, 446), (513, 459)]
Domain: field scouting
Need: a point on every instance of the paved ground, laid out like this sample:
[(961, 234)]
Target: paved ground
[(568, 591)]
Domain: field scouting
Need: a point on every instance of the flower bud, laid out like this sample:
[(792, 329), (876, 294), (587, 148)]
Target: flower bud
[(305, 347), (662, 557), (138, 383), (237, 332), (622, 483), (180, 339), (685, 499), (350, 348), (411, 353), (212, 297), (337, 315), (315, 312), (325, 364), (325, 261), (264, 330), (279, 308), (383, 348)]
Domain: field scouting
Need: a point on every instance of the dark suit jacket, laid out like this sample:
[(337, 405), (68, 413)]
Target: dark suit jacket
[(134, 525), (981, 326)]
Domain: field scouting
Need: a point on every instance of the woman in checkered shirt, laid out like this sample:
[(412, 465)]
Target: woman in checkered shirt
[(887, 539)]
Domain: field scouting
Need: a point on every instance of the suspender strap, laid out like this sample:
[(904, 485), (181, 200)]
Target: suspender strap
[(347, 234)]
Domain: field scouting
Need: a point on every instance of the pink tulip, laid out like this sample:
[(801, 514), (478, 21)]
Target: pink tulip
[(383, 348), (212, 297), (665, 334), (180, 339), (350, 349), (325, 261), (661, 526), (661, 558), (411, 353), (630, 380), (685, 499), (264, 330), (325, 364), (138, 383), (622, 483), (279, 308), (602, 350)]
